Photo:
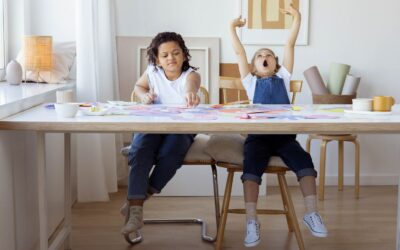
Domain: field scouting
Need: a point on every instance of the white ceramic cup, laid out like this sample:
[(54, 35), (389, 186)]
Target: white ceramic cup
[(362, 104), (66, 110), (64, 96)]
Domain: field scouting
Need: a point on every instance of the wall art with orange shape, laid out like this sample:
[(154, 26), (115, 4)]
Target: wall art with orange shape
[(266, 14), (267, 25)]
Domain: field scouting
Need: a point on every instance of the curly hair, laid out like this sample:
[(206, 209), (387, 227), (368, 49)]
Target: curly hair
[(163, 37)]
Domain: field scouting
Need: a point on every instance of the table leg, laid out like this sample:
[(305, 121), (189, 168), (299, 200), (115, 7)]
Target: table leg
[(398, 217), (67, 188), (41, 189), (62, 236)]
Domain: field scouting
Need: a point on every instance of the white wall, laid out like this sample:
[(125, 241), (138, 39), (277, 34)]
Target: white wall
[(360, 33), (40, 17), (53, 17)]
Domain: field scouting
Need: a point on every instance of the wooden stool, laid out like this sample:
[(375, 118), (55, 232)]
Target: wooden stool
[(288, 208), (340, 138)]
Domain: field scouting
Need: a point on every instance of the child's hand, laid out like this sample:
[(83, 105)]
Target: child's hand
[(148, 98), (192, 99), (291, 11), (238, 22)]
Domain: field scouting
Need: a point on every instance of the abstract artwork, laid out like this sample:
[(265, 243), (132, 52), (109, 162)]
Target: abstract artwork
[(265, 14), (217, 112), (266, 25)]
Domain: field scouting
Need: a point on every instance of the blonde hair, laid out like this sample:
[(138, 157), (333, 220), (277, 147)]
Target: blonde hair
[(253, 68)]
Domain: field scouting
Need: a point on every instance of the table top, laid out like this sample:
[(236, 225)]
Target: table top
[(261, 119)]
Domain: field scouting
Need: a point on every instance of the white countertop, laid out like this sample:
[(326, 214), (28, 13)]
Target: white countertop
[(16, 98)]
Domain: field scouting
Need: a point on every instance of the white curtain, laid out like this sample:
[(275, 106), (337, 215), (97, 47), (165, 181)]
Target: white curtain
[(97, 80)]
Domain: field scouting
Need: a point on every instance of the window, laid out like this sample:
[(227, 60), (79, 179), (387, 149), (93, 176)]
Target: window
[(3, 38)]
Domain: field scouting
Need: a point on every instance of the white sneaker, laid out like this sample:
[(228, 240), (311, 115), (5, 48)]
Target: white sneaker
[(253, 234), (315, 224), (134, 221)]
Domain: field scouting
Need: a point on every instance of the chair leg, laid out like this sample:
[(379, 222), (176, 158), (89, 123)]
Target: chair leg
[(216, 195), (340, 166), (285, 205), (321, 187), (291, 211), (225, 207), (308, 145), (357, 169)]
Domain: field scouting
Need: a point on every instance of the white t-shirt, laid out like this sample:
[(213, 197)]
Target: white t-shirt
[(249, 82), (168, 92)]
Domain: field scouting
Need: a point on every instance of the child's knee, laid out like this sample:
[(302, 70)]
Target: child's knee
[(251, 177), (306, 172)]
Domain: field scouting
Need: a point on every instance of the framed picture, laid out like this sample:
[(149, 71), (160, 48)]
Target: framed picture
[(266, 25)]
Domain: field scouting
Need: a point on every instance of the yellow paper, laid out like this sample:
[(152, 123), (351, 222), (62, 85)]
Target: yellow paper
[(296, 108), (338, 110)]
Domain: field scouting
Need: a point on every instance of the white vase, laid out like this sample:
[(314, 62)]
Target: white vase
[(14, 72)]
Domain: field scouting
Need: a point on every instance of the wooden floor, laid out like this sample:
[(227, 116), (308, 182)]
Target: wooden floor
[(367, 223)]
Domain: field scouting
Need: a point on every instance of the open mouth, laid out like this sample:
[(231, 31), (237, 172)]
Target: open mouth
[(265, 64)]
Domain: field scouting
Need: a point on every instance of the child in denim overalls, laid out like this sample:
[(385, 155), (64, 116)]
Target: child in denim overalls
[(169, 79), (265, 82)]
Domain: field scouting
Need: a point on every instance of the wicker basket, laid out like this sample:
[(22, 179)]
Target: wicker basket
[(333, 99)]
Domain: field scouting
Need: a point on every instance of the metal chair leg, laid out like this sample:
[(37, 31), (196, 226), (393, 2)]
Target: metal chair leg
[(136, 237), (216, 195)]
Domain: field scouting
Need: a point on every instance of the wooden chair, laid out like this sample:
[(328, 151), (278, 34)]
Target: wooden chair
[(232, 88), (275, 166), (325, 139), (195, 156)]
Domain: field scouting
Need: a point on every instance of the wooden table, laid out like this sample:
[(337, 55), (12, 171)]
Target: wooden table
[(311, 119)]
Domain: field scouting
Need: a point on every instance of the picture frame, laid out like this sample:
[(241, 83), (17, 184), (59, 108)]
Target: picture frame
[(278, 25)]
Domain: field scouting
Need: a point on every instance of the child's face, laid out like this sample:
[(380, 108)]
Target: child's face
[(170, 57), (264, 63)]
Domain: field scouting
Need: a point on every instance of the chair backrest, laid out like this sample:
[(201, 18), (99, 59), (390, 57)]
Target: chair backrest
[(231, 88), (227, 84), (203, 94), (295, 87)]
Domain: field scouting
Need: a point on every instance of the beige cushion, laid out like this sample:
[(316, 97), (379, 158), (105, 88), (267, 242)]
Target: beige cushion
[(196, 151), (229, 148)]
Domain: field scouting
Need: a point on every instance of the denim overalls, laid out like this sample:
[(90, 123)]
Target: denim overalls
[(258, 149)]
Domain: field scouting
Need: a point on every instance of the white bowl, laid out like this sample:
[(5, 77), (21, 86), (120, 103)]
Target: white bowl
[(362, 104), (66, 110)]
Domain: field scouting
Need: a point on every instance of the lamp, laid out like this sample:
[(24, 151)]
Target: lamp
[(38, 54)]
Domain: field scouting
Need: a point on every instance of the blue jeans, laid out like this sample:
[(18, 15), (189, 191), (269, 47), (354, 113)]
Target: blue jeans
[(165, 151), (258, 150)]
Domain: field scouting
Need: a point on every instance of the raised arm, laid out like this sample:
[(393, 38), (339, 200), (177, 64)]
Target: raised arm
[(143, 91), (288, 58), (244, 68), (191, 88)]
